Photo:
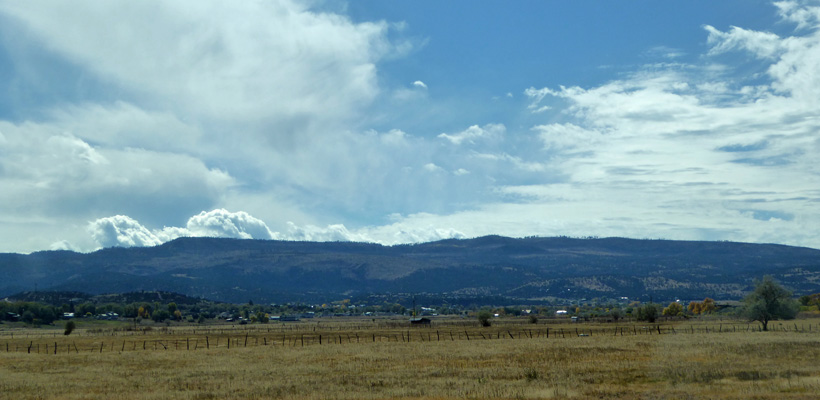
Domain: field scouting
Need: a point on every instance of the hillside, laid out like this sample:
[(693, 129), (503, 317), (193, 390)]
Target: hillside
[(529, 268)]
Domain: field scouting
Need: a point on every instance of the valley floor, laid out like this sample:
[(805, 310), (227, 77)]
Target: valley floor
[(448, 360)]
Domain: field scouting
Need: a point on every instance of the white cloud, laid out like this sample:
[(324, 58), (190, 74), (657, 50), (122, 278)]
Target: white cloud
[(762, 44), (431, 167), (46, 172), (474, 133), (566, 136), (254, 60), (803, 17), (121, 231), (126, 125), (686, 152), (223, 223), (331, 233), (124, 231), (63, 245), (268, 107)]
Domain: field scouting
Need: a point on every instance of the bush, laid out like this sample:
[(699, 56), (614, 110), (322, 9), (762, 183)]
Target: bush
[(69, 327), (533, 319)]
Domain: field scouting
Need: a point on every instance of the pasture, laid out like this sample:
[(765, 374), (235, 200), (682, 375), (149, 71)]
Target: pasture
[(380, 359)]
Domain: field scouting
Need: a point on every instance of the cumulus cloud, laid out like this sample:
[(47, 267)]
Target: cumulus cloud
[(121, 231), (124, 231), (223, 223)]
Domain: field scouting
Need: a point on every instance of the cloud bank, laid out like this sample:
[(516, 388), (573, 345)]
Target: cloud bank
[(123, 231)]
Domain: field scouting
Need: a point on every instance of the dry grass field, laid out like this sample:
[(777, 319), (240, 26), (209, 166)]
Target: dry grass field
[(450, 360)]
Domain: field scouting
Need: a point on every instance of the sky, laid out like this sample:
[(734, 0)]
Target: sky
[(135, 123)]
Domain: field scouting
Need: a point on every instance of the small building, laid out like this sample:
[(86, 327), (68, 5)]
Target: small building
[(420, 321), (109, 316)]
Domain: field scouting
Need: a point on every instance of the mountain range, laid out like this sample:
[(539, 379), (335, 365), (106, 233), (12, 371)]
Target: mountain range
[(524, 270)]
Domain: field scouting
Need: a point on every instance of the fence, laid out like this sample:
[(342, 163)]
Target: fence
[(217, 338)]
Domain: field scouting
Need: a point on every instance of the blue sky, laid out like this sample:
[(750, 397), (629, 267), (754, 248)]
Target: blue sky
[(131, 124)]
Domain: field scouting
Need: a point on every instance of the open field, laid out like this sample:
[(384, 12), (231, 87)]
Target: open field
[(452, 359)]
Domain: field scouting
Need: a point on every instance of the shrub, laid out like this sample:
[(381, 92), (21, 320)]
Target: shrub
[(69, 327)]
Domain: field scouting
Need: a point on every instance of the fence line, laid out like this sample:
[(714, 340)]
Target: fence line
[(262, 338)]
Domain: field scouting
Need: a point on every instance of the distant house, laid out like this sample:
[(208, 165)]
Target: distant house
[(420, 321), (289, 318), (561, 312), (68, 315), (109, 316)]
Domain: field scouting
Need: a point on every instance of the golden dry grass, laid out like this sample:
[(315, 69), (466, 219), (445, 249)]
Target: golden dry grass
[(728, 365)]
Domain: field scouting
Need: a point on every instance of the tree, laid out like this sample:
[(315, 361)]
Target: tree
[(707, 306), (673, 309), (648, 312), (160, 315), (484, 317), (769, 301)]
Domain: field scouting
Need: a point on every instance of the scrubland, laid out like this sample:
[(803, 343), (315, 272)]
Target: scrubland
[(510, 360)]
